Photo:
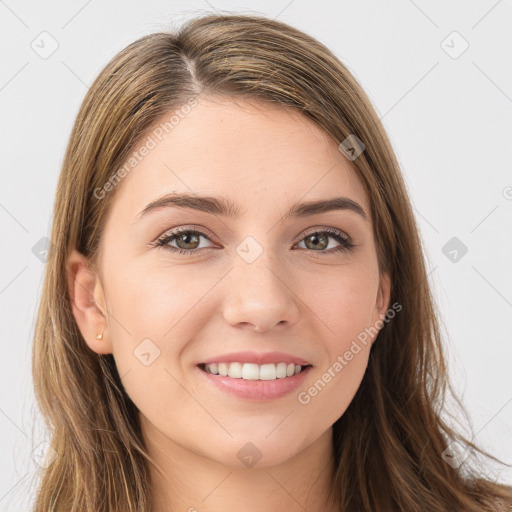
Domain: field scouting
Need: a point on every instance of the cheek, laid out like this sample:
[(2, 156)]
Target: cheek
[(345, 307), (345, 301), (154, 316), (337, 383), (156, 310), (338, 378), (156, 301)]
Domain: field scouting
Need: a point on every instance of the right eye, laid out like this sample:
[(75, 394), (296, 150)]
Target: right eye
[(183, 237)]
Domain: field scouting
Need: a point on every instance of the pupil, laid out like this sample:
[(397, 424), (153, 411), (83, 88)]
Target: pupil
[(185, 237), (316, 243)]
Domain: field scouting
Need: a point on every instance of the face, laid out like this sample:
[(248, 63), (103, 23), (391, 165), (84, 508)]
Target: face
[(262, 281)]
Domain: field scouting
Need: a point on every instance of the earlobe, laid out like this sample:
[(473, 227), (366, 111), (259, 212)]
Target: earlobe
[(88, 303)]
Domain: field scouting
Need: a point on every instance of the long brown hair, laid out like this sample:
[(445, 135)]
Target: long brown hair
[(390, 445)]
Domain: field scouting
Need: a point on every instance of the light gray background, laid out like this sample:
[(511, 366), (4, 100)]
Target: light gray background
[(449, 120)]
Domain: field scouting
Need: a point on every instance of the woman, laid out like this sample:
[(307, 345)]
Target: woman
[(230, 212)]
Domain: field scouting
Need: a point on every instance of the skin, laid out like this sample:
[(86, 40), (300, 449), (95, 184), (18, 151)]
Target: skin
[(192, 307)]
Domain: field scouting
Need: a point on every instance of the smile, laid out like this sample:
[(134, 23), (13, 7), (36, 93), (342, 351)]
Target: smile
[(252, 371), (257, 383)]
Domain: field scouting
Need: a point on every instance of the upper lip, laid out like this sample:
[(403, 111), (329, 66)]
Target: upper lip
[(257, 358)]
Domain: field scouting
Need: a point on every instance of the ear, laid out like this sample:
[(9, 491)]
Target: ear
[(383, 297), (88, 302)]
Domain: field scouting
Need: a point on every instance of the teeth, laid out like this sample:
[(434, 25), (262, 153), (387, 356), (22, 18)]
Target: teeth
[(251, 371), (235, 371)]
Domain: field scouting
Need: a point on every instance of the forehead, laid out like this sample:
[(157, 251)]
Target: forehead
[(257, 154)]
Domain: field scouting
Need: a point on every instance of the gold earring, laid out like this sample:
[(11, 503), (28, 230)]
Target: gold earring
[(99, 336)]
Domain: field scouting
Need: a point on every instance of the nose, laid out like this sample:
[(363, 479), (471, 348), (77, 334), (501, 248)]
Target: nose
[(260, 296)]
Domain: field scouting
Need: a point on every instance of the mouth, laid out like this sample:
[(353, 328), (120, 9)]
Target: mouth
[(251, 371), (255, 383)]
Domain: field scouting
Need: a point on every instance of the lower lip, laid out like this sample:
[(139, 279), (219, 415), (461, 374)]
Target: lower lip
[(257, 390)]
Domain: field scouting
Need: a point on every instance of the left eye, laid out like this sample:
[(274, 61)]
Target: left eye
[(188, 241)]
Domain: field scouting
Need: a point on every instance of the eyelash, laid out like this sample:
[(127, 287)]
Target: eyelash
[(345, 243)]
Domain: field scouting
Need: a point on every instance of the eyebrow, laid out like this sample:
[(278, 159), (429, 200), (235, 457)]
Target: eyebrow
[(225, 208)]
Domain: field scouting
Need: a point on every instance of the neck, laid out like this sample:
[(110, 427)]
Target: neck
[(184, 480)]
